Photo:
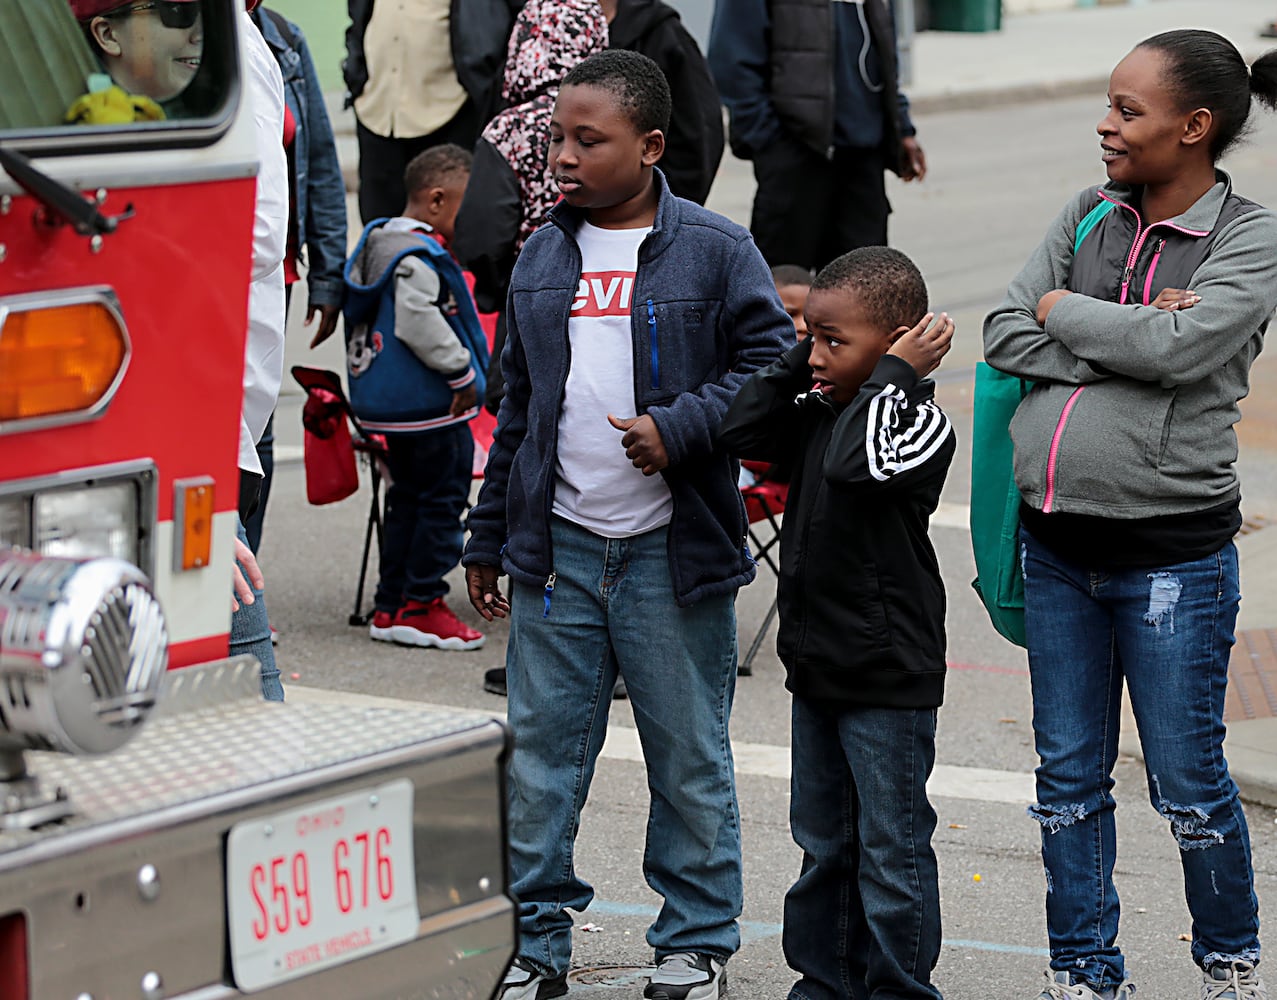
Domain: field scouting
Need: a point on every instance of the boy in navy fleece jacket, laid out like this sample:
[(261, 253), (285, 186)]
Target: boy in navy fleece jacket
[(634, 317)]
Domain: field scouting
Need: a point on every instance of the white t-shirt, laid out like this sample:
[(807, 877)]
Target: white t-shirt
[(598, 487)]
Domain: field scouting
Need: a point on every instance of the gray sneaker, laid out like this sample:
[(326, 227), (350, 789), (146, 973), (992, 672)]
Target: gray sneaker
[(686, 975), (1060, 987), (1233, 981)]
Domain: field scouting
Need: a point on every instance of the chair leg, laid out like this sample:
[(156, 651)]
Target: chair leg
[(746, 666), (359, 617)]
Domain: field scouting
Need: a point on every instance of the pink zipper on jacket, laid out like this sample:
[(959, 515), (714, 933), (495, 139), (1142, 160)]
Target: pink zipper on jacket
[(1054, 454), (1141, 235)]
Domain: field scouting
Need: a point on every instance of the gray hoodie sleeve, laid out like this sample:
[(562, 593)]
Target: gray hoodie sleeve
[(420, 324), (1238, 286), (1013, 341)]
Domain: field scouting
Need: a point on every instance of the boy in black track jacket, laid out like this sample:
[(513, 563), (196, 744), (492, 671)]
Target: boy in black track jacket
[(861, 620)]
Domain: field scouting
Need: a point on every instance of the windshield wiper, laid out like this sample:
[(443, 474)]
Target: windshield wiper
[(64, 202)]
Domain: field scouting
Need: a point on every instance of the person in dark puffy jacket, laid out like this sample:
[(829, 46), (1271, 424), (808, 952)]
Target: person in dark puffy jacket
[(815, 102)]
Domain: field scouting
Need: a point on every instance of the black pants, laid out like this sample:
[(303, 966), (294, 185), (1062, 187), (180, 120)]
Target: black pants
[(809, 209), (382, 160)]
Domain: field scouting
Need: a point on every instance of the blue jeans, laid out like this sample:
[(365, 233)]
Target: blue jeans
[(863, 918), (1168, 633), (613, 609), (250, 633), (422, 536)]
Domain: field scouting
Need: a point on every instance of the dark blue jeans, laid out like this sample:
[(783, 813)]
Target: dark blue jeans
[(422, 537), (1168, 633), (863, 919)]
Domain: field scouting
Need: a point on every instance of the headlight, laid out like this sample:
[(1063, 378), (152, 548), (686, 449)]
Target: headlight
[(87, 522), (85, 514)]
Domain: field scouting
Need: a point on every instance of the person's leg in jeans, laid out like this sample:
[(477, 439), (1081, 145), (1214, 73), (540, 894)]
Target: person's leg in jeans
[(791, 205), (560, 671), (250, 634), (1077, 698), (825, 938), (863, 919), (679, 665), (443, 462), (398, 523), (1175, 633)]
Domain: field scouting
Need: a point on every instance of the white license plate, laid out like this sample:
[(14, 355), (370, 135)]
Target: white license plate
[(318, 886)]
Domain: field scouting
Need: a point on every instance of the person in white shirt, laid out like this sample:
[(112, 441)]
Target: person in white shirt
[(264, 348)]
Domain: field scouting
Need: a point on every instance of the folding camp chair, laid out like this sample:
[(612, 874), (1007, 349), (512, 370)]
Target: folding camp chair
[(764, 502), (372, 450)]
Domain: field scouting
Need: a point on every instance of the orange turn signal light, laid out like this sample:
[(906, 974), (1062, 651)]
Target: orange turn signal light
[(192, 523), (60, 354)]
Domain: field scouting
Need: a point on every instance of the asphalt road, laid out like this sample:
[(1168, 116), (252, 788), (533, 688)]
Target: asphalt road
[(997, 178)]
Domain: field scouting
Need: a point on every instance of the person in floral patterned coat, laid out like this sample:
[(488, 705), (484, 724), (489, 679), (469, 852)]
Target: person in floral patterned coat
[(510, 189)]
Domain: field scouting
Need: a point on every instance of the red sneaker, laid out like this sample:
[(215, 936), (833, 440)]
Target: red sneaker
[(434, 624), (381, 627)]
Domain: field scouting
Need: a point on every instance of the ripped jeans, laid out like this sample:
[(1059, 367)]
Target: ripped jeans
[(1168, 632)]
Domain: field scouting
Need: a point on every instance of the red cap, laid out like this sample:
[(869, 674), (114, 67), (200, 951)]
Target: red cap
[(250, 4), (85, 9)]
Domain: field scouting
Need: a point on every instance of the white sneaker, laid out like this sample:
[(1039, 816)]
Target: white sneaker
[(1060, 987), (1233, 981), (686, 975), (523, 982)]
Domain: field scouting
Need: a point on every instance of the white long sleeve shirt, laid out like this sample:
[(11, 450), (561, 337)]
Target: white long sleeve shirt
[(264, 349)]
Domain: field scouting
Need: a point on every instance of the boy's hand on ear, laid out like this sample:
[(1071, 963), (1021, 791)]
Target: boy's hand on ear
[(924, 346), (642, 443)]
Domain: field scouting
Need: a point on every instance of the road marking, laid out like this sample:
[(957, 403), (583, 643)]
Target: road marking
[(763, 760), (769, 761)]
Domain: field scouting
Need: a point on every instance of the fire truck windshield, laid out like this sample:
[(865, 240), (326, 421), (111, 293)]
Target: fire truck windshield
[(79, 69)]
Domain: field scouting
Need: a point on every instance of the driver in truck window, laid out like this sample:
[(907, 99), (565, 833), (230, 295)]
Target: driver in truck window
[(151, 48)]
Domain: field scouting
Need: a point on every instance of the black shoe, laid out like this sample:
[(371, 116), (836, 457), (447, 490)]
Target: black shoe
[(494, 681), (619, 690), (523, 982)]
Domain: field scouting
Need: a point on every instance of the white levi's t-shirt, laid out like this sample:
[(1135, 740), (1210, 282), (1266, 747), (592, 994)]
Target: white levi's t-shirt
[(598, 487)]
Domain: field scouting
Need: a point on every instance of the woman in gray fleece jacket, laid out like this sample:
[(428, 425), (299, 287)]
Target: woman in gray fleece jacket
[(1137, 320)]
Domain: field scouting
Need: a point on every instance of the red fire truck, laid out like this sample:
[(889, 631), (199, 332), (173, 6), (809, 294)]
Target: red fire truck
[(164, 832)]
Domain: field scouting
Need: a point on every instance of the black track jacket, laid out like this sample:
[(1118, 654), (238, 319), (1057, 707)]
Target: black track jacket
[(861, 600)]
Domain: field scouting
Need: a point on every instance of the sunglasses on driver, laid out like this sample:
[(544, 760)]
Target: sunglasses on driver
[(173, 13)]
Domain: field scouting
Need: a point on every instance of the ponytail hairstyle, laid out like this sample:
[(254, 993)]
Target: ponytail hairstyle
[(1205, 70)]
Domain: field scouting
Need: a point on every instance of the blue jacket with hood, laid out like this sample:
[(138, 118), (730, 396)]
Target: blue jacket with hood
[(403, 364), (705, 315)]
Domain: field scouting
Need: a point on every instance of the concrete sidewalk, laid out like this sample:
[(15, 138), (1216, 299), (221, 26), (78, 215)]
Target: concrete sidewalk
[(1037, 56)]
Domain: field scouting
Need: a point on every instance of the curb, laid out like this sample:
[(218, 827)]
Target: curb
[(975, 99)]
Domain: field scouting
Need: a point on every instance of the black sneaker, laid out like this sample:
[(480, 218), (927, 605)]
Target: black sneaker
[(686, 975), (523, 982)]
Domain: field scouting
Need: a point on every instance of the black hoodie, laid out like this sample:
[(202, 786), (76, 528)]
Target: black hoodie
[(694, 143)]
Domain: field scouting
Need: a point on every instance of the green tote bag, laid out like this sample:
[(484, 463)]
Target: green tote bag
[(995, 501)]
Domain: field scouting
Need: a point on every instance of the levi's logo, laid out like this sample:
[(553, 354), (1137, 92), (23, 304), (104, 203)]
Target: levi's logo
[(603, 293)]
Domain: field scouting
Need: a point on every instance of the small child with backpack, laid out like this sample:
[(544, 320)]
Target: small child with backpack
[(416, 357)]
